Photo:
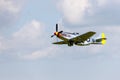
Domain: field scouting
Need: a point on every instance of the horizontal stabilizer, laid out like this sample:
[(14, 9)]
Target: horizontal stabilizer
[(101, 39)]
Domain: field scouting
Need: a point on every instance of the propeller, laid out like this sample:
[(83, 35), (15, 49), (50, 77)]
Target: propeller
[(56, 31)]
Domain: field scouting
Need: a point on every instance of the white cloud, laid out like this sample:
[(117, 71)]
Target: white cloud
[(10, 11), (29, 42), (74, 10), (30, 31), (40, 53), (90, 12), (28, 36), (9, 6), (31, 36)]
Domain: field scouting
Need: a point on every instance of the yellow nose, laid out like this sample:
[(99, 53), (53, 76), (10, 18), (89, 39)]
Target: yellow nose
[(56, 33)]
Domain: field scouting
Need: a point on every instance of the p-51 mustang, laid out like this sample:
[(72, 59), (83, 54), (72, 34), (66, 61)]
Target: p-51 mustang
[(80, 40)]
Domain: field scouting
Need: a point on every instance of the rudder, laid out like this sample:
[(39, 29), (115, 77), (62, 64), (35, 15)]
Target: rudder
[(103, 39)]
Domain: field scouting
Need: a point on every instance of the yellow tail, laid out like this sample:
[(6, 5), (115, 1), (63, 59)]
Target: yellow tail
[(103, 39)]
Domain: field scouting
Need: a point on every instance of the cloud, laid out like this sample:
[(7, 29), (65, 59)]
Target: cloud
[(74, 10), (40, 53), (90, 12), (28, 36), (30, 31), (9, 11), (9, 6), (29, 42)]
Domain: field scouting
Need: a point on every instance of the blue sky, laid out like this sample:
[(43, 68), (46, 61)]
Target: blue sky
[(26, 52)]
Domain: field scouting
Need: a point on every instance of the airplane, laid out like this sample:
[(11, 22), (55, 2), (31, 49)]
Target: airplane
[(85, 39)]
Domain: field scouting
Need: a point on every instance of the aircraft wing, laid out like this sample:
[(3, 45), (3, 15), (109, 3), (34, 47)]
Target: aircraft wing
[(61, 42), (83, 37)]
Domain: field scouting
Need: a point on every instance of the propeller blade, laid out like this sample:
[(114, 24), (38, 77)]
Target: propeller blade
[(60, 31), (56, 27), (52, 36)]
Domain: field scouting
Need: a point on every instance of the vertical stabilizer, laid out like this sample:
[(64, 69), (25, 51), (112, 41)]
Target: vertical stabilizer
[(103, 38)]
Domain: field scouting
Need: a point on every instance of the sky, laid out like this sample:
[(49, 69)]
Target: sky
[(26, 49)]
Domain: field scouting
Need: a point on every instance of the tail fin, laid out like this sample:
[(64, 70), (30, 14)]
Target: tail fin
[(103, 38)]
